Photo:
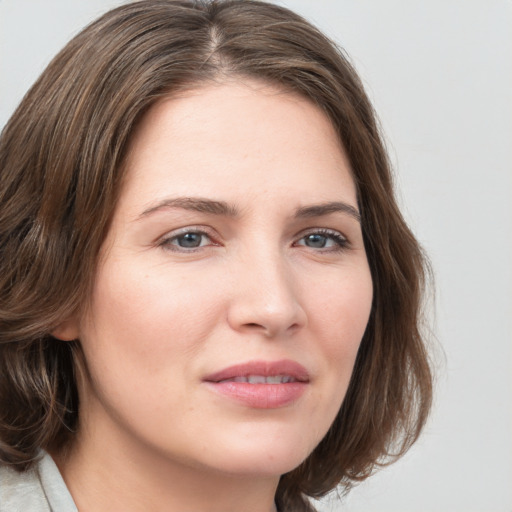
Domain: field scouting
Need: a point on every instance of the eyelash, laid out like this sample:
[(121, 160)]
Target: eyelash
[(340, 241), (167, 244)]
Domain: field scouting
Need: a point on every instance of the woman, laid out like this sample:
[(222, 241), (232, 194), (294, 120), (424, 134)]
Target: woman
[(210, 300)]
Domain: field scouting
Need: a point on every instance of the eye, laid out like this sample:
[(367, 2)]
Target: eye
[(186, 240), (323, 239)]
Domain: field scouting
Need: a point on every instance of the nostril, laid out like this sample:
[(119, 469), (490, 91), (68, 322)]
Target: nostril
[(269, 330), (253, 324)]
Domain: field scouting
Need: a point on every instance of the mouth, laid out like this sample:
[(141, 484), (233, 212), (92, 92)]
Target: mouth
[(262, 372), (262, 379), (261, 384)]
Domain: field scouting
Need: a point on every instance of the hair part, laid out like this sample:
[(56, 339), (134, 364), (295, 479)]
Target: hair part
[(61, 172)]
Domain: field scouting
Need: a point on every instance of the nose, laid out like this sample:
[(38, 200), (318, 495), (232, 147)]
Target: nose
[(266, 298)]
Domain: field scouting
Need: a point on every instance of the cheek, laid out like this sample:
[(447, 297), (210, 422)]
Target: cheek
[(342, 309), (142, 335), (147, 327), (342, 313), (152, 307)]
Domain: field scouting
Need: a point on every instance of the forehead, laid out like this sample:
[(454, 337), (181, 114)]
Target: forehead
[(234, 138)]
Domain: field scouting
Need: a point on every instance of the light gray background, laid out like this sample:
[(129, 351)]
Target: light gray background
[(440, 75)]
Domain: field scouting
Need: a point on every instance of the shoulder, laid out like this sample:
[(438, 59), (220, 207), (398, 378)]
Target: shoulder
[(40, 489), (21, 492)]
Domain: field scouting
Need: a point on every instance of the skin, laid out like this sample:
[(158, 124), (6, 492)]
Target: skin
[(259, 286)]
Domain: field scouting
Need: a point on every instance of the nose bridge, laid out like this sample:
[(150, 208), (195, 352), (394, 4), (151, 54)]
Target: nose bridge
[(266, 297)]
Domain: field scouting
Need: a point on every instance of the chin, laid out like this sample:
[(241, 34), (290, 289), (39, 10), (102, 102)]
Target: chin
[(268, 443), (261, 458)]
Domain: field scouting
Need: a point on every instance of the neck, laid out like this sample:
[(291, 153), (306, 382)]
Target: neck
[(104, 476)]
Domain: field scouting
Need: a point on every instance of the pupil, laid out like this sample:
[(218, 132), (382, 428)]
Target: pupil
[(317, 241), (190, 240)]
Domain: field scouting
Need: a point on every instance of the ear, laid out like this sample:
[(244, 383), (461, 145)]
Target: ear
[(67, 330)]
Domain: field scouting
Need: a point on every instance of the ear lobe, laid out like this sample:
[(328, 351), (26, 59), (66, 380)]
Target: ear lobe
[(66, 331)]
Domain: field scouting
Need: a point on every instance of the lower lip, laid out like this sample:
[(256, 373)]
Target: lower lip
[(260, 396)]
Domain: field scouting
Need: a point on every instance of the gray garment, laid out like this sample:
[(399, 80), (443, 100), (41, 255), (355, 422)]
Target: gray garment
[(40, 489)]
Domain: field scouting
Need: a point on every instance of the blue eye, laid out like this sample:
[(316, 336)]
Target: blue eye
[(187, 240), (324, 239), (316, 241)]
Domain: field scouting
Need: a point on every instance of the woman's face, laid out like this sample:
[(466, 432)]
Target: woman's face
[(233, 289)]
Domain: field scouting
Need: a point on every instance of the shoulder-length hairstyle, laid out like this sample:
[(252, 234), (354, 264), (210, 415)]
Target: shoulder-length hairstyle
[(61, 171)]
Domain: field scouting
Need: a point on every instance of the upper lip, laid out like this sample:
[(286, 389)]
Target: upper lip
[(285, 367)]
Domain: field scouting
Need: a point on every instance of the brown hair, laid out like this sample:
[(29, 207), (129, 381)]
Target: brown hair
[(60, 175)]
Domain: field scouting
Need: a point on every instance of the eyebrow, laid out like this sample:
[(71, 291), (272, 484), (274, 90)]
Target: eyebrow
[(196, 204), (318, 210), (211, 206)]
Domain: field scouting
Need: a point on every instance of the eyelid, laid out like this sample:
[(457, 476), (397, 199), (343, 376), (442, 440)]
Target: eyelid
[(342, 242), (164, 241)]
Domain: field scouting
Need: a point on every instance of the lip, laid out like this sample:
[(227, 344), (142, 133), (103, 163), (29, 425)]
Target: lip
[(260, 396)]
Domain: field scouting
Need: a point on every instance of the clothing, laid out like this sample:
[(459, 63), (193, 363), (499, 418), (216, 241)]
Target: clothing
[(40, 489)]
